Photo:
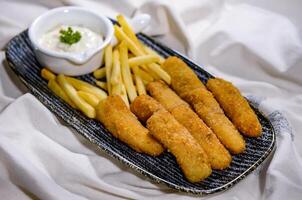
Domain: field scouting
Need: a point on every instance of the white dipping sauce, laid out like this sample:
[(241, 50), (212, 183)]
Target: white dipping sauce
[(89, 40)]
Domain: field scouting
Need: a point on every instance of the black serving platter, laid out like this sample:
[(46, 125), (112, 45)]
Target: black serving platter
[(161, 169)]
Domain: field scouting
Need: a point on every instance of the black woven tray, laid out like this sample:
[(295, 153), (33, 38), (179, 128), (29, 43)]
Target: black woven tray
[(162, 169)]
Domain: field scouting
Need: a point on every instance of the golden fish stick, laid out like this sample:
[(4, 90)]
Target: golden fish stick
[(218, 156), (188, 153), (183, 79), (235, 106), (210, 112), (191, 89), (164, 95), (144, 106), (118, 119)]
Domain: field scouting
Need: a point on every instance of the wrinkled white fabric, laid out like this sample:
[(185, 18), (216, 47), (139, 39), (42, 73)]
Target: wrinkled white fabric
[(255, 44)]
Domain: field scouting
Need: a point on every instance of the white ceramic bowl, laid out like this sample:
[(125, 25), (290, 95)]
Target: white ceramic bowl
[(72, 64)]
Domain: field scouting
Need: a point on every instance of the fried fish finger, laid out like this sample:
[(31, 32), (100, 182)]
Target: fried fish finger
[(144, 106), (118, 119), (210, 112), (164, 95), (191, 89), (188, 153), (183, 79), (235, 106), (218, 156)]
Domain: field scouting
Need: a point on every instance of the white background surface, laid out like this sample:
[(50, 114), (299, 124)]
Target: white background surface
[(255, 44)]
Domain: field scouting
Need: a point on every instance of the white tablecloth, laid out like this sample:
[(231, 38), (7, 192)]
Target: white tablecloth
[(255, 44)]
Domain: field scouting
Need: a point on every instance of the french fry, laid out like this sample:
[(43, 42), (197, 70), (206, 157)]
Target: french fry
[(150, 51), (150, 72), (126, 73), (140, 85), (144, 67), (87, 109), (131, 45), (55, 87), (99, 73), (130, 33), (135, 49), (138, 81), (108, 66), (160, 72), (84, 86), (145, 82), (124, 95), (116, 89), (130, 55), (145, 76), (116, 69), (48, 75), (133, 78), (128, 30), (102, 85), (89, 98), (142, 60), (116, 76)]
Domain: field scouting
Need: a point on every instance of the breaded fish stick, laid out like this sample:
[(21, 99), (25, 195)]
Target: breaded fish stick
[(183, 79), (218, 156), (210, 112), (118, 119), (164, 95), (203, 102), (144, 106), (188, 153), (235, 106)]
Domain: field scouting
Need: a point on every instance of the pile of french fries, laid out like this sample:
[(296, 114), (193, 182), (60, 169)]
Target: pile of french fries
[(77, 93), (128, 67)]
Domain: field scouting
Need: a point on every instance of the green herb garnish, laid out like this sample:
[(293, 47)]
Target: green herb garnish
[(69, 36)]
